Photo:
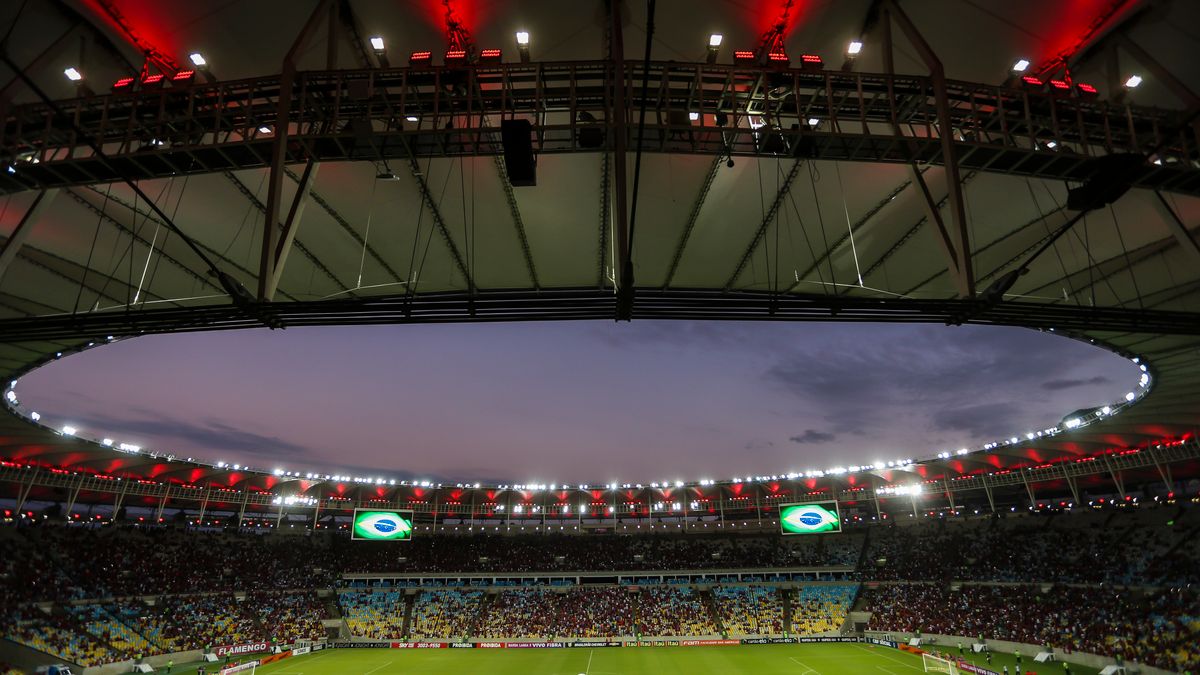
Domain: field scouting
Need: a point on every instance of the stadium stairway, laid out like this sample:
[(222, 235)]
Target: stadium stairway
[(710, 604), (409, 602), (785, 602), (332, 610)]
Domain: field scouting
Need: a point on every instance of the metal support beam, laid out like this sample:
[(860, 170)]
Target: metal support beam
[(768, 218), (162, 505), (283, 106), (242, 510), (1182, 234), (987, 488), (12, 246), (693, 216), (1029, 489), (958, 238), (1118, 479), (204, 504), (518, 222), (1074, 485), (74, 496), (290, 226), (949, 493), (618, 114)]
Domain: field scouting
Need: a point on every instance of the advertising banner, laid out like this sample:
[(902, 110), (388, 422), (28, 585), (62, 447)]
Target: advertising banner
[(589, 645), (462, 645), (239, 668), (809, 640), (417, 645), (301, 651), (247, 648), (769, 641), (708, 643), (967, 667)]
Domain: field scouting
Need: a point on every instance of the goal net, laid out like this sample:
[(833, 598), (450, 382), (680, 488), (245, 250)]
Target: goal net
[(935, 664)]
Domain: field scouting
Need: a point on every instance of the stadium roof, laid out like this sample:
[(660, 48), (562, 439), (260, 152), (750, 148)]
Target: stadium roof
[(763, 190)]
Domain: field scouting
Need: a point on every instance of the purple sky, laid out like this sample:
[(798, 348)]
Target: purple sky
[(575, 402)]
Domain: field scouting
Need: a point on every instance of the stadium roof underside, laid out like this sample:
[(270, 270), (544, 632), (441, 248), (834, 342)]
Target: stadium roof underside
[(933, 188)]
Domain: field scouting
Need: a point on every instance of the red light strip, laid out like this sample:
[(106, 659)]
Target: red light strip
[(456, 54), (1059, 84), (1031, 81), (489, 54), (123, 82), (1086, 88), (743, 55), (184, 75), (420, 56), (777, 56), (810, 58)]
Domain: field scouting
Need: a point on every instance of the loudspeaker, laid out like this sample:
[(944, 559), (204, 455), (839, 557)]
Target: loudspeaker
[(517, 138)]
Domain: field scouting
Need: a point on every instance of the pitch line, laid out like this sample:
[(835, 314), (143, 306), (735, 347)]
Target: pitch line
[(589, 663), (807, 669), (889, 658), (378, 668)]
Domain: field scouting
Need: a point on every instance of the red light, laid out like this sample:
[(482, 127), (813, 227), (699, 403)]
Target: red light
[(122, 83), (1031, 81), (811, 58), (1060, 84), (184, 76), (1086, 90), (456, 56), (777, 56), (489, 55), (152, 79), (420, 57), (743, 56)]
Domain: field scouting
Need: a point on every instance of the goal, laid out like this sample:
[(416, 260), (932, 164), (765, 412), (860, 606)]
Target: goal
[(935, 664)]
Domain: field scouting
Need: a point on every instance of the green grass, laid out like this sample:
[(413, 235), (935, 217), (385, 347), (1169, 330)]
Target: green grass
[(806, 659)]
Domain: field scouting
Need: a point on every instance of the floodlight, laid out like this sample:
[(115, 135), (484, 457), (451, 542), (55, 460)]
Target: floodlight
[(198, 59), (1020, 66), (714, 40), (854, 48), (1131, 83), (377, 43), (70, 430), (73, 74), (523, 38)]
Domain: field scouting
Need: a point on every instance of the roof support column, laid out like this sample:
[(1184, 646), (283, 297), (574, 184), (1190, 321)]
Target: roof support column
[(987, 488), (290, 226), (316, 514), (279, 517), (120, 498), (957, 239), (287, 79), (1029, 489), (1164, 470), (1118, 480), (204, 504), (74, 496), (1074, 485), (949, 493), (23, 492), (162, 504), (12, 246)]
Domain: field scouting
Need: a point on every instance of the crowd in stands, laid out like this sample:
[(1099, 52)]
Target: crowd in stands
[(673, 611), (163, 589), (1159, 628), (377, 615), (749, 610), (445, 614), (821, 608)]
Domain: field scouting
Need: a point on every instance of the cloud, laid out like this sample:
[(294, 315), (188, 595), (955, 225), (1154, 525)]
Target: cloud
[(1067, 383), (981, 421), (211, 435), (813, 436)]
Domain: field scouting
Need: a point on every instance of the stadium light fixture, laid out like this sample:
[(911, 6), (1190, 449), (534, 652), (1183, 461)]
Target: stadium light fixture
[(69, 430), (714, 40), (1020, 66), (1130, 396), (854, 48), (264, 130), (198, 59), (377, 43), (73, 74), (35, 416), (1131, 83), (693, 116)]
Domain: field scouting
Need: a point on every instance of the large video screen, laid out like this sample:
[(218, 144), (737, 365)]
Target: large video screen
[(376, 525), (813, 518)]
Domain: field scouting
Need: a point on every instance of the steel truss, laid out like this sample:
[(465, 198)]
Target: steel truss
[(576, 304), (434, 505), (365, 114)]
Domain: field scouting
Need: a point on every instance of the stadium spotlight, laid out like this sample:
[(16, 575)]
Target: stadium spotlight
[(693, 116), (75, 76), (523, 45), (1131, 83), (1020, 66), (264, 130), (107, 442), (377, 43), (854, 48), (714, 47), (1130, 396), (197, 59), (69, 430), (35, 416)]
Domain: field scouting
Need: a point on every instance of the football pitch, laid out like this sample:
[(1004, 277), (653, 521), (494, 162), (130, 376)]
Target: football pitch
[(806, 659)]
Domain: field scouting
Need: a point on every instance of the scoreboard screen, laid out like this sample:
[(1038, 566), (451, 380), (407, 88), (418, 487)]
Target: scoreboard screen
[(811, 518), (376, 525)]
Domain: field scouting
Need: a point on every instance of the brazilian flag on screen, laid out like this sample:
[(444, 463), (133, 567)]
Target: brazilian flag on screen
[(382, 525), (809, 518)]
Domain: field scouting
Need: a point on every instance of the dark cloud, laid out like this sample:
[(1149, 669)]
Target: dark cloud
[(982, 421), (1067, 383), (215, 435), (813, 436)]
